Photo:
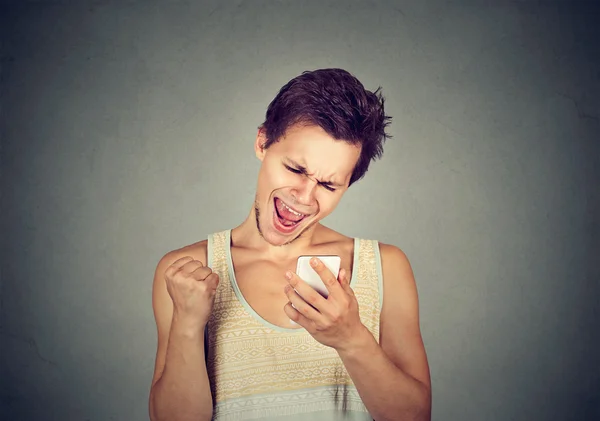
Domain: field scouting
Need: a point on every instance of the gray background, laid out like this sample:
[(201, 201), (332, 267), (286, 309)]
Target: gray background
[(127, 131)]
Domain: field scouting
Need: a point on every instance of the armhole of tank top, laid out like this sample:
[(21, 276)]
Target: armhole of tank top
[(379, 273)]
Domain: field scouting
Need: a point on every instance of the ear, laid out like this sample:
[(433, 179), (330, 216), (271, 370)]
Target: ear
[(259, 143)]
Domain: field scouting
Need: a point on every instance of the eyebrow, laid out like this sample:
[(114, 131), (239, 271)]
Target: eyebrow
[(304, 170)]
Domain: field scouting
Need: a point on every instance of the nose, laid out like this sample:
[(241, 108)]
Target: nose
[(305, 193)]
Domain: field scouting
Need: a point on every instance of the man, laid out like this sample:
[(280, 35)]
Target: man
[(240, 336)]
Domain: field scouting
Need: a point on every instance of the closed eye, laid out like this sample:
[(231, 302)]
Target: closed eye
[(294, 170), (297, 171)]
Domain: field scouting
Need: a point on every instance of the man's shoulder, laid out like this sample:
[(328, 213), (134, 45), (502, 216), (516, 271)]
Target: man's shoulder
[(392, 253), (197, 251), (396, 269)]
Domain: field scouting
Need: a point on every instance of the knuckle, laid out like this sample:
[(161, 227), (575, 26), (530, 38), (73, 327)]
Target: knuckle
[(179, 280), (312, 299), (184, 260), (335, 316)]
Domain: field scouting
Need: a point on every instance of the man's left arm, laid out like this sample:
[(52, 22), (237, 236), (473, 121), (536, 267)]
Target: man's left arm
[(392, 377)]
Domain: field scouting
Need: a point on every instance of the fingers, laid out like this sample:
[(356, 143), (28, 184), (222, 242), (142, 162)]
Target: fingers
[(175, 266), (301, 305), (331, 283), (306, 292), (180, 263), (188, 267), (344, 279), (199, 273), (297, 317), (212, 281)]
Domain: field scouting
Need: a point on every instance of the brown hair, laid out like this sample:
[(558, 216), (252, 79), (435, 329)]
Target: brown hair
[(337, 102)]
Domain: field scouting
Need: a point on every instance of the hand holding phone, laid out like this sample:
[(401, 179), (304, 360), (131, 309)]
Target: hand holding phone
[(305, 271)]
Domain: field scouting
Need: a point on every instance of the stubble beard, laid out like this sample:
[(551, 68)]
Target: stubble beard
[(257, 218)]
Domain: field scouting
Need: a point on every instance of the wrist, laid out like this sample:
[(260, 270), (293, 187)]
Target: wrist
[(360, 343), (187, 328)]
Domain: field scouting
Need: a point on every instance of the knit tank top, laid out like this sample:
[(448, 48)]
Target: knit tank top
[(260, 371)]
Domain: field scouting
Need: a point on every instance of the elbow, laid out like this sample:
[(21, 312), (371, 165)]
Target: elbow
[(414, 408), (159, 410), (151, 409), (419, 408), (422, 408)]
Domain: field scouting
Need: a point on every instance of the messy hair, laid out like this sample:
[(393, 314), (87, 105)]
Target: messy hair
[(337, 102)]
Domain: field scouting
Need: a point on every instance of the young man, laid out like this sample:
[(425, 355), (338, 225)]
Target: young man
[(240, 336)]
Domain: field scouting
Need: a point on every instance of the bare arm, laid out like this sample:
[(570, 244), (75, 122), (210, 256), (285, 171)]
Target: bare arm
[(388, 392), (393, 377), (180, 388)]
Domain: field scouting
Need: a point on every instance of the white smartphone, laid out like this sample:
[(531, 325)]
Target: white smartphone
[(305, 271)]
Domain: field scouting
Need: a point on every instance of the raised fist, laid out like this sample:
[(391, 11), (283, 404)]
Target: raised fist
[(192, 287)]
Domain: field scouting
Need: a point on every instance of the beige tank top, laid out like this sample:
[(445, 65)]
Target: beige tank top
[(259, 371)]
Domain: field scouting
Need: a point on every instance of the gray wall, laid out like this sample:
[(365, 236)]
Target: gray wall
[(127, 131)]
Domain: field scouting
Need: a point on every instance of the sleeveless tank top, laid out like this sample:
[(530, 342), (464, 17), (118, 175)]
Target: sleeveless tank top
[(260, 371)]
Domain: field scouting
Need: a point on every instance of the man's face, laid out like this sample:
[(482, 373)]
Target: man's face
[(302, 178)]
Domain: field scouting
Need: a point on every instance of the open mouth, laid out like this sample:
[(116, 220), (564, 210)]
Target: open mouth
[(287, 216)]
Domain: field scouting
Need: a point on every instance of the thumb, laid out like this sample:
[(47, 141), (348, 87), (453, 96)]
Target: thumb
[(213, 280)]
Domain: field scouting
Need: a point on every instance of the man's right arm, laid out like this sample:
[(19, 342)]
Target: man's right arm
[(180, 388)]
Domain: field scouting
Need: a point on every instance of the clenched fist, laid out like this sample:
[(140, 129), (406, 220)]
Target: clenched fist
[(192, 287)]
